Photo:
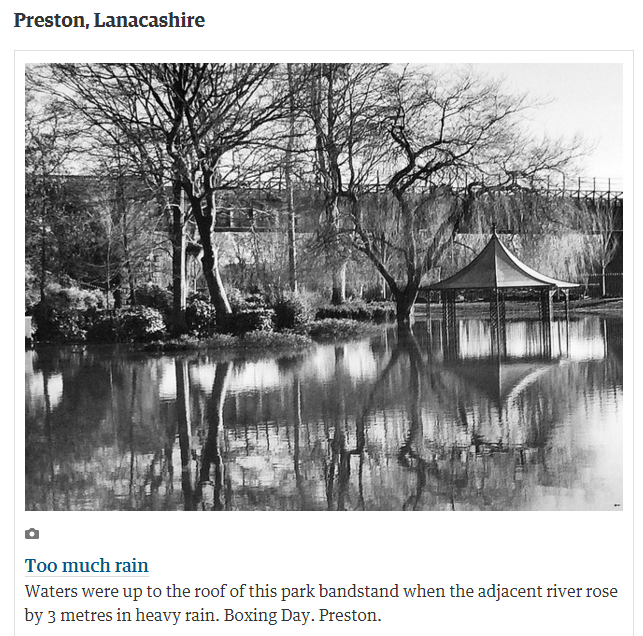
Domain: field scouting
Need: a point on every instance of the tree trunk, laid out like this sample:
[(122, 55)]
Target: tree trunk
[(43, 255), (128, 268), (405, 302), (210, 260), (121, 209), (178, 258), (603, 280), (118, 294), (292, 245), (339, 284), (292, 225)]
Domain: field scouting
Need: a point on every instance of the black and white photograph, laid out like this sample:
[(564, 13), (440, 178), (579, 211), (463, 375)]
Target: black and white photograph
[(309, 286)]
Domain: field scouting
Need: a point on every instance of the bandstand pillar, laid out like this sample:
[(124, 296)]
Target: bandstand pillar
[(546, 314), (449, 323), (497, 314)]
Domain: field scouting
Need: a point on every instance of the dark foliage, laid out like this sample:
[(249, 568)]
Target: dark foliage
[(293, 312), (104, 328), (331, 329), (66, 313), (155, 296), (376, 312), (250, 320), (136, 324), (140, 324), (200, 316)]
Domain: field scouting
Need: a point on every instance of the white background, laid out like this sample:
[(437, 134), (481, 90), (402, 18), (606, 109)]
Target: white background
[(433, 549)]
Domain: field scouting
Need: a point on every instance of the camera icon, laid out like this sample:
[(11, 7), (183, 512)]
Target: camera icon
[(32, 533)]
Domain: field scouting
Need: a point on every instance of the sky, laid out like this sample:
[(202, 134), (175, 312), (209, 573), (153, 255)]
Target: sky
[(581, 98), (584, 98)]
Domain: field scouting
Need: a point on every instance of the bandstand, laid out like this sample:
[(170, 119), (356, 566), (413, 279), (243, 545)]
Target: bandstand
[(494, 272)]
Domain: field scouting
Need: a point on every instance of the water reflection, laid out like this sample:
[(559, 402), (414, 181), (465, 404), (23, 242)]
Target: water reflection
[(381, 423)]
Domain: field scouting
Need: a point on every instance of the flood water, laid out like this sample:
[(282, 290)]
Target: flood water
[(377, 423)]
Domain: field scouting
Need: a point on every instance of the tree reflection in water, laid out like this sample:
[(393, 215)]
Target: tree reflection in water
[(382, 423)]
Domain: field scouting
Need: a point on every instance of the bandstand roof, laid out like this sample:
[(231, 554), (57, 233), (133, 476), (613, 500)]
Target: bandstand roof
[(497, 268)]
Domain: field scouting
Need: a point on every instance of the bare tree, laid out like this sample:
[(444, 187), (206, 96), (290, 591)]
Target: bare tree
[(49, 146), (182, 120), (129, 229), (449, 140), (605, 224), (342, 106), (118, 136), (288, 174)]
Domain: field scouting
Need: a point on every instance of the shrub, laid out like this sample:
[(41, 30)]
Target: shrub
[(240, 301), (136, 324), (32, 292), (347, 311), (155, 296), (274, 340), (254, 340), (140, 324), (74, 298), (293, 311), (336, 329), (104, 327), (59, 325), (255, 301), (66, 312), (197, 295), (237, 300), (358, 310), (250, 320), (200, 316)]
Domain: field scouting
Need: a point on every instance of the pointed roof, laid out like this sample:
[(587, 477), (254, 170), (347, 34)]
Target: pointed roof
[(497, 268)]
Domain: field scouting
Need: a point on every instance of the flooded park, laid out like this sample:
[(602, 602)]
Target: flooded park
[(229, 286), (380, 422)]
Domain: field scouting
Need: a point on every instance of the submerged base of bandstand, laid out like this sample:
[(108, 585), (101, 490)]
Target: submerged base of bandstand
[(498, 321)]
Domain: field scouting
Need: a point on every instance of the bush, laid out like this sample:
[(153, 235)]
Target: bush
[(139, 324), (155, 296), (255, 301), (200, 316), (73, 298), (254, 340), (293, 311), (378, 312), (136, 324), (250, 320), (66, 313), (336, 329), (347, 311), (104, 327), (59, 325), (240, 301), (273, 340), (237, 299), (32, 291)]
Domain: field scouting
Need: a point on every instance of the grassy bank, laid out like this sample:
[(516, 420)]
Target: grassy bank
[(319, 331)]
